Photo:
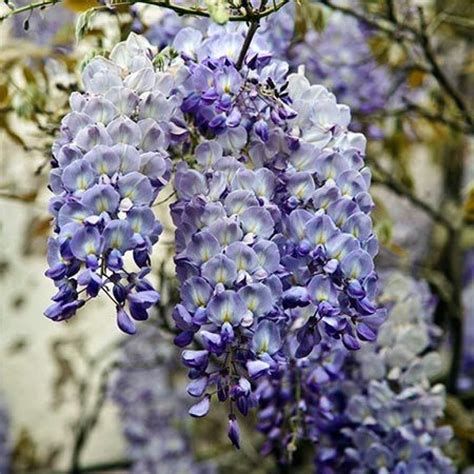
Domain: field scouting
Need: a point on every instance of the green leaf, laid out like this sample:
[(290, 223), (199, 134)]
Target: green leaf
[(83, 23), (219, 11)]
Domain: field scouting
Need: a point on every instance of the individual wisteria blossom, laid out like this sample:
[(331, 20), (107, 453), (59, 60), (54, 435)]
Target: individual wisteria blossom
[(371, 411), (274, 240), (152, 411), (4, 437), (109, 164)]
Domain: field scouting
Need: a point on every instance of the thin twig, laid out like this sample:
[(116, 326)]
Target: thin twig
[(29, 7), (165, 200), (254, 24), (180, 10), (88, 422), (438, 73), (419, 36)]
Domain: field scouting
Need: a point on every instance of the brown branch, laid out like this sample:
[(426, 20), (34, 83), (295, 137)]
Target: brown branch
[(377, 23), (391, 13), (396, 30), (413, 108), (440, 118), (254, 24), (180, 10), (120, 464), (438, 73)]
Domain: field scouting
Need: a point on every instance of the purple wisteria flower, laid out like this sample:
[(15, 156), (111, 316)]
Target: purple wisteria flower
[(109, 165)]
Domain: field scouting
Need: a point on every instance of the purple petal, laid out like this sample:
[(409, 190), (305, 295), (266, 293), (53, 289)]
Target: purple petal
[(234, 431), (256, 368), (197, 387), (125, 323), (201, 408), (350, 342)]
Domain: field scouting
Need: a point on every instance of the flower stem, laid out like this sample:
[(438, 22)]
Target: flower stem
[(254, 24)]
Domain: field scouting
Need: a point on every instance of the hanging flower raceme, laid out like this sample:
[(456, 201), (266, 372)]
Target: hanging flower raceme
[(109, 165), (387, 411), (274, 239), (327, 240), (226, 263), (226, 219)]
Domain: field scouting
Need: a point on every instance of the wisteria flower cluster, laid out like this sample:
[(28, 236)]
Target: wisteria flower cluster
[(152, 413), (394, 432), (370, 411), (406, 340), (109, 165), (274, 238), (225, 257), (392, 415)]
